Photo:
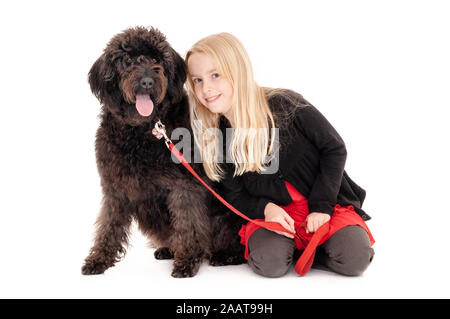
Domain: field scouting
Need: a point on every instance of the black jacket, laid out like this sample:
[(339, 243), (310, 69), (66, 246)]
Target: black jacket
[(311, 157)]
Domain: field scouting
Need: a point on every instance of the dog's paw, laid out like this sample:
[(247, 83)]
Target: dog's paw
[(185, 269), (93, 268), (224, 259), (163, 253)]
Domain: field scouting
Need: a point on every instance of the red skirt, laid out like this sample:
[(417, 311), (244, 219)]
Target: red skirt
[(298, 210)]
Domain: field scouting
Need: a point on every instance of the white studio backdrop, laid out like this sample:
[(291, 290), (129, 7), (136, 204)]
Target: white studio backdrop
[(378, 70)]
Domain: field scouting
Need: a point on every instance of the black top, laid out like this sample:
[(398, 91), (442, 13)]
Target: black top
[(311, 157)]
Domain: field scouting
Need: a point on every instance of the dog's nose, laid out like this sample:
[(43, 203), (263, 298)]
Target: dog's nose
[(147, 82)]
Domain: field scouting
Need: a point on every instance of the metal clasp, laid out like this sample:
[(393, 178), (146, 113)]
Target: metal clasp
[(161, 128)]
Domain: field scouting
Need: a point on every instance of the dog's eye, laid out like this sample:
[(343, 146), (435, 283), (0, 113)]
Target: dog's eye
[(127, 62), (157, 70), (141, 59)]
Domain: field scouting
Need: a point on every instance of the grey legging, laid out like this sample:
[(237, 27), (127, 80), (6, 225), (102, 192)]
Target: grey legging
[(347, 252)]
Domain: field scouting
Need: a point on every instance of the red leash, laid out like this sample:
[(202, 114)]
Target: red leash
[(306, 259)]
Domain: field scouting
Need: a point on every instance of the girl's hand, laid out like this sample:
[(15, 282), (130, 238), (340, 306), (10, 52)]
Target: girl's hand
[(275, 213), (315, 220)]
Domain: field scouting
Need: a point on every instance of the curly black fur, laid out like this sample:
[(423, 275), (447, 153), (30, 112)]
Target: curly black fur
[(139, 179)]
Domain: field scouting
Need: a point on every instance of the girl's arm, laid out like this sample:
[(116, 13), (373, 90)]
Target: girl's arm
[(254, 207), (236, 194), (333, 154)]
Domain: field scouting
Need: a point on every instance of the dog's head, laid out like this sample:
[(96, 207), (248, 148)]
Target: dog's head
[(137, 75)]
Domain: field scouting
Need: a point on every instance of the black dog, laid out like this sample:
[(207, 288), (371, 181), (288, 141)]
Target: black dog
[(139, 80)]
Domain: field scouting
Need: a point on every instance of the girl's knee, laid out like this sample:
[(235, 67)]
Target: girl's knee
[(268, 263), (270, 254), (348, 251), (353, 264)]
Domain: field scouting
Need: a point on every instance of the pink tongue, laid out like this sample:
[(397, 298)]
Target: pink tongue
[(144, 104)]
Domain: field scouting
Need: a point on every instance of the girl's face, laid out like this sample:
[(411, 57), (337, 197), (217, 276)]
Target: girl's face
[(211, 88)]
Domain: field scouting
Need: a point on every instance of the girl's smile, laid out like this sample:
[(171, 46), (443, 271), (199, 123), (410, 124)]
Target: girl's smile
[(213, 98)]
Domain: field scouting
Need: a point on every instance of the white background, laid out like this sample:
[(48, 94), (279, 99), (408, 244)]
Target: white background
[(378, 70)]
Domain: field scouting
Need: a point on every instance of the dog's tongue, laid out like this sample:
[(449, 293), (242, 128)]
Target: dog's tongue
[(144, 104)]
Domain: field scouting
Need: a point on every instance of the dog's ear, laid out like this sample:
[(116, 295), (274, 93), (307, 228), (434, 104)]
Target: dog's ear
[(176, 86), (100, 77)]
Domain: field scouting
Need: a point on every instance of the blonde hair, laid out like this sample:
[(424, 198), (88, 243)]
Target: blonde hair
[(251, 146)]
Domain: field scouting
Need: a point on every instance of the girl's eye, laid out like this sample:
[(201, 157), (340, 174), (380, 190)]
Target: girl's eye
[(196, 80), (215, 75)]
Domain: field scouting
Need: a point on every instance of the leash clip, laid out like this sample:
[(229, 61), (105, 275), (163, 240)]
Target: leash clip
[(161, 128)]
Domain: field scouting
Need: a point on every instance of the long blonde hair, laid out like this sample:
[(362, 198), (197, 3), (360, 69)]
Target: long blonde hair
[(251, 146)]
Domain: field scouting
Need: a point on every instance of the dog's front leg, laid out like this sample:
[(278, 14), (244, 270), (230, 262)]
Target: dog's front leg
[(113, 226), (190, 237)]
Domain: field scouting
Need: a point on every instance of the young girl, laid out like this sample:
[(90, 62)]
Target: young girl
[(310, 186)]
